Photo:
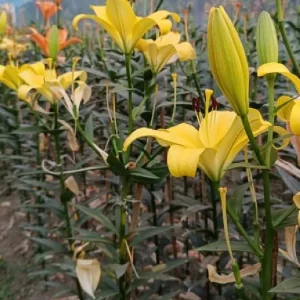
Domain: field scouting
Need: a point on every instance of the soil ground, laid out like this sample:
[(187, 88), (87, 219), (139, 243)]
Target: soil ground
[(15, 260)]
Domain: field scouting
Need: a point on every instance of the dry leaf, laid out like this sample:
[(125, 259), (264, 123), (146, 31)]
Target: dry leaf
[(189, 296), (7, 228), (213, 276), (71, 184), (88, 272), (71, 136), (290, 244), (288, 167)]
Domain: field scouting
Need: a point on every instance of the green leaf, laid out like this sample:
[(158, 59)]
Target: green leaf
[(142, 175), (89, 128), (236, 200), (246, 165), (222, 246), (49, 244), (118, 269), (116, 166), (290, 286), (282, 218), (290, 181), (29, 130), (98, 216), (147, 232)]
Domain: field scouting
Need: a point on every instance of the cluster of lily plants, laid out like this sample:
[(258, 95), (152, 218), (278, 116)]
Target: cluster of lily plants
[(153, 159)]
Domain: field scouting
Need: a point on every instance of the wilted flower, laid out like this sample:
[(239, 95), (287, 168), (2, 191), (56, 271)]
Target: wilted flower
[(88, 272), (165, 49), (228, 60), (43, 41), (125, 28)]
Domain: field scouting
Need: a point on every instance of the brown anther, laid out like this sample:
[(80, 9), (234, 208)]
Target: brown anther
[(214, 102), (196, 104), (131, 165)]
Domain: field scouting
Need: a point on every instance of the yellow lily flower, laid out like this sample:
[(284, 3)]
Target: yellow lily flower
[(290, 109), (13, 48), (212, 148), (3, 22), (166, 49), (228, 60), (9, 75), (38, 78), (125, 28)]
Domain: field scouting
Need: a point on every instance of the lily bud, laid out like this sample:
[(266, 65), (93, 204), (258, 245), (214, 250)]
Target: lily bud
[(266, 39), (3, 22), (53, 42), (228, 60)]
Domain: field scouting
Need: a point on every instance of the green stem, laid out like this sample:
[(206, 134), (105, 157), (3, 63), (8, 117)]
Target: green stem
[(271, 96), (239, 226), (286, 42), (130, 100), (62, 189), (197, 83), (267, 257), (122, 239), (214, 194), (159, 5)]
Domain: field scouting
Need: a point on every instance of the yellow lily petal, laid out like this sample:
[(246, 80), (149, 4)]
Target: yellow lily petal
[(171, 38), (159, 57), (69, 77), (102, 20), (295, 118), (185, 51), (296, 200), (24, 91), (122, 16), (281, 131), (285, 111), (159, 18), (272, 67), (182, 134), (183, 161), (31, 78)]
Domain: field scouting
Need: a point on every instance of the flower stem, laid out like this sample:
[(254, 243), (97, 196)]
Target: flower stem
[(239, 226), (285, 38), (267, 257), (270, 81), (122, 238), (130, 100), (62, 190), (197, 83)]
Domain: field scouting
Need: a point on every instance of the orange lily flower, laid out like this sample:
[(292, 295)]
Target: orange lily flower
[(47, 8), (43, 41)]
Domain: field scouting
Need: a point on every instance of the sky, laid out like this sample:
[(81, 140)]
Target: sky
[(15, 2)]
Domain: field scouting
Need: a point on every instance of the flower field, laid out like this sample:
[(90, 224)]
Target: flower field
[(150, 151)]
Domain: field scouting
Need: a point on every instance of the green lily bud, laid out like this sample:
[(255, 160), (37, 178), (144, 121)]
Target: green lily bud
[(228, 60), (53, 42), (266, 39), (3, 22)]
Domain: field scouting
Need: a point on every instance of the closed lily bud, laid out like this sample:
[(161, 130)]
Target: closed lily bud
[(228, 60), (53, 42), (266, 39), (88, 272), (3, 22)]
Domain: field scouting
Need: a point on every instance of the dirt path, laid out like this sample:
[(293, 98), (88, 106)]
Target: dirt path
[(15, 262)]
